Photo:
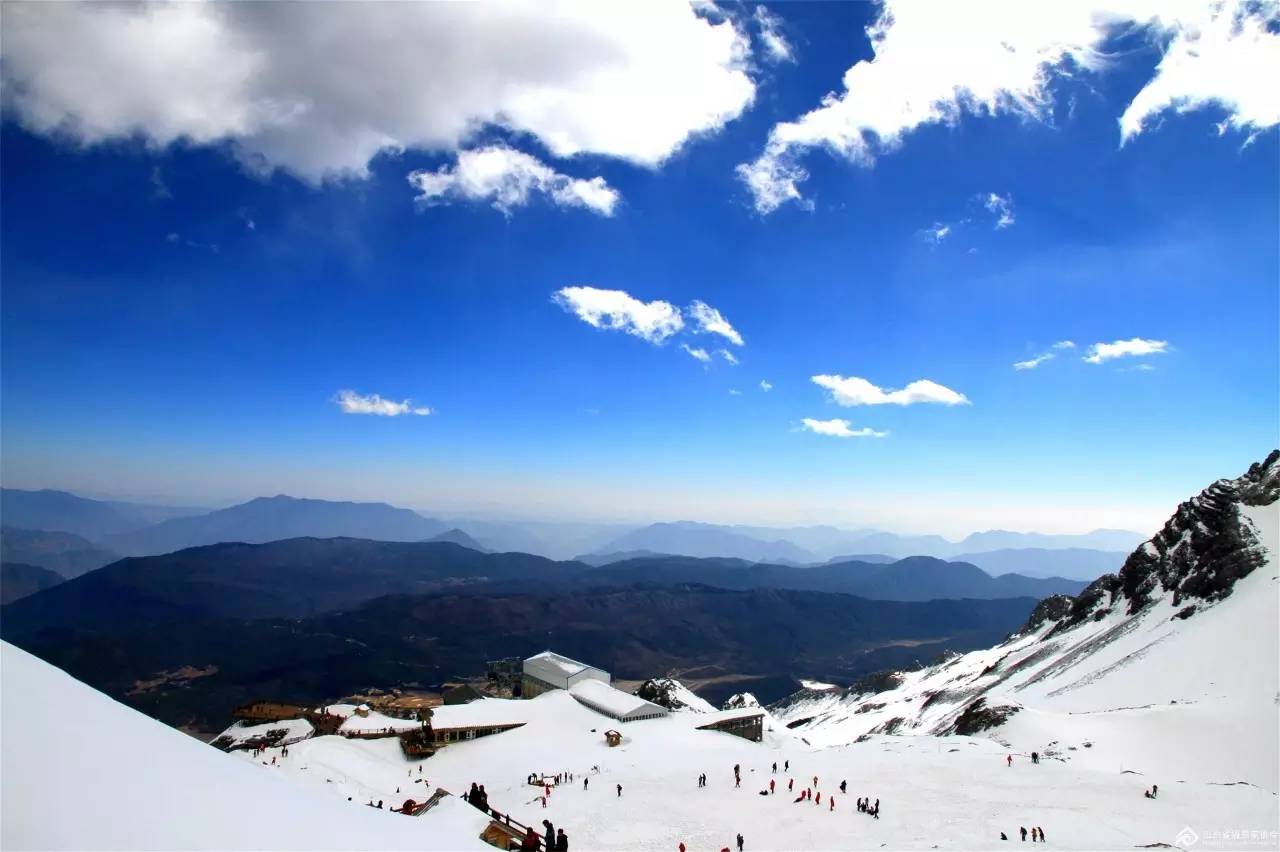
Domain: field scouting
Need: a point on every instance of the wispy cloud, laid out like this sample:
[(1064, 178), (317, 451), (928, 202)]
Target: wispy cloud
[(709, 320), (935, 233), (776, 46), (1134, 347), (509, 179), (1032, 363), (934, 63), (701, 354), (728, 356), (617, 310), (852, 390), (838, 428), (355, 403), (1000, 206)]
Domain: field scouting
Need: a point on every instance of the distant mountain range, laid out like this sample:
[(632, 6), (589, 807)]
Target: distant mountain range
[(275, 518), (67, 554), (460, 538), (766, 544), (18, 581), (93, 519), (917, 578), (140, 530)]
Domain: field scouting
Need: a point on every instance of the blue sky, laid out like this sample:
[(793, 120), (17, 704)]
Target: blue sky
[(178, 318)]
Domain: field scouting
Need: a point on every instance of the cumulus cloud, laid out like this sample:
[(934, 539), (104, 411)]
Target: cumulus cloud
[(617, 310), (776, 46), (509, 179), (838, 428), (707, 319), (701, 354), (850, 391), (765, 385), (934, 62), (320, 89), (355, 403), (1000, 206), (1065, 344), (1134, 347)]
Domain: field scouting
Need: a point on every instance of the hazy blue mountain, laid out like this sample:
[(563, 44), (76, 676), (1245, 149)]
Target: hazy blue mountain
[(18, 581), (64, 553), (873, 558), (63, 512), (281, 517), (687, 538), (823, 541), (600, 559), (460, 538), (1073, 563), (1109, 540), (917, 578), (892, 544)]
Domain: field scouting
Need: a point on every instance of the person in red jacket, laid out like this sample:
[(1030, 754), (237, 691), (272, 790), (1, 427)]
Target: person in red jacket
[(770, 786)]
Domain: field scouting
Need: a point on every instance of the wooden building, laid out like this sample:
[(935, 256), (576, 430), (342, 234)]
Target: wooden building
[(268, 711), (748, 724)]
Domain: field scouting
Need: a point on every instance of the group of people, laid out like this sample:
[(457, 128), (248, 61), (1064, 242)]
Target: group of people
[(1153, 792), (477, 797), (1036, 831), (865, 807)]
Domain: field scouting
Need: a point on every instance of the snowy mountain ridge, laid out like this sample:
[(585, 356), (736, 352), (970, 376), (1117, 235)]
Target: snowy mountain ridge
[(1127, 651)]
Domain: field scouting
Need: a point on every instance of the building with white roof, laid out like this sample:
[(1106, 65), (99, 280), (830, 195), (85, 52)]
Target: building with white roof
[(549, 670), (614, 703)]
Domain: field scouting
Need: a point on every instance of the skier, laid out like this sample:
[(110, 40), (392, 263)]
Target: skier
[(740, 842), (1023, 829), (619, 791)]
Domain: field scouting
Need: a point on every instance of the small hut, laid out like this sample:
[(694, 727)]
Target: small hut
[(613, 738), (363, 711)]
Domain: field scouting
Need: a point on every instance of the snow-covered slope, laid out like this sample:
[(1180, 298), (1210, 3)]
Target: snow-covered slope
[(674, 695), (80, 771), (1168, 669)]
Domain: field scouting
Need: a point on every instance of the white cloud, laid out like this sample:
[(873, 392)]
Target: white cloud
[(617, 310), (1137, 346), (765, 385), (1001, 207), (776, 46), (508, 179), (1221, 55), (734, 392), (709, 320), (935, 234), (1032, 363), (855, 391), (840, 429), (935, 62), (728, 356), (354, 403), (320, 89), (701, 354)]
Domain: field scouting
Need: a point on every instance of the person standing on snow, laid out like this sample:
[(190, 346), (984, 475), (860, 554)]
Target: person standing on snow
[(832, 800), (584, 783), (740, 842), (562, 841), (1023, 829), (619, 791), (770, 786), (550, 835), (1009, 760), (842, 788)]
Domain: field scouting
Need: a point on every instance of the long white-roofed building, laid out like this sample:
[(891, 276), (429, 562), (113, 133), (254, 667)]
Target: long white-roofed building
[(614, 703), (549, 670)]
